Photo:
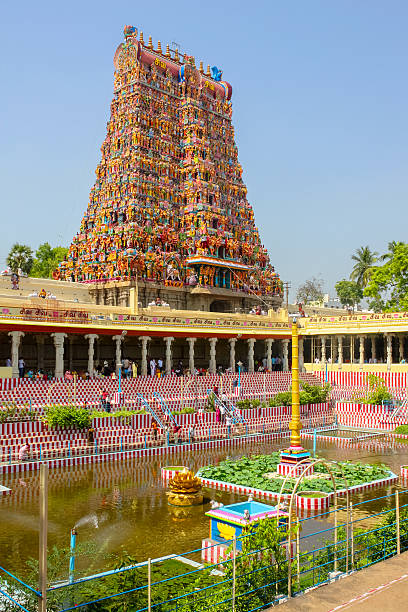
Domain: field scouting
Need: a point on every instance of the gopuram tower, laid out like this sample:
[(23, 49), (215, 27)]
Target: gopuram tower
[(168, 209)]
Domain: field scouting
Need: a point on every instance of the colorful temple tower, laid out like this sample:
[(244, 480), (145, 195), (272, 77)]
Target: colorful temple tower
[(168, 209)]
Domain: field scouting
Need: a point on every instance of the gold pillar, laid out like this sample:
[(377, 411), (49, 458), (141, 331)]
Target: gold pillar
[(295, 424)]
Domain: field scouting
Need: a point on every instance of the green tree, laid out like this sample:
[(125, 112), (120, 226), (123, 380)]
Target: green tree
[(349, 293), (47, 259), (310, 291), (365, 259), (388, 286), (391, 248), (20, 257)]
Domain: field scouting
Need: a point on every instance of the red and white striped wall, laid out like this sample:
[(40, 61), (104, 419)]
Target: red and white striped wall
[(213, 552), (360, 379), (7, 384), (313, 504), (294, 470), (367, 416)]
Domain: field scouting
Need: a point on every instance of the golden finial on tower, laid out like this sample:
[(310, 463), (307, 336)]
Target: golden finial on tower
[(159, 49), (150, 45), (192, 61), (141, 38), (176, 55), (208, 73), (168, 51), (201, 68)]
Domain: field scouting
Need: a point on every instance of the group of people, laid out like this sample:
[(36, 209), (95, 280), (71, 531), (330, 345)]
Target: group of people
[(257, 310), (172, 432), (159, 302)]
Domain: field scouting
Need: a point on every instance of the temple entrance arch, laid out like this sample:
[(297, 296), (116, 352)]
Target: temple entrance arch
[(220, 306)]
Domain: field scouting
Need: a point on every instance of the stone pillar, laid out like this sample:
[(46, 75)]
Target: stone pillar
[(123, 295), (191, 365), (323, 345), (340, 347), (389, 350), (91, 339), (168, 341), (70, 353), (110, 297), (145, 340), (301, 356), (212, 368), (98, 351), (269, 343), (285, 355), (373, 349), (40, 351), (334, 349), (251, 361), (59, 353), (15, 345), (118, 353), (361, 360), (401, 347), (232, 343)]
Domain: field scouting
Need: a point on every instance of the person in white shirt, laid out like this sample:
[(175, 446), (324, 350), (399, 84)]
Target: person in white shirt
[(228, 422), (21, 367)]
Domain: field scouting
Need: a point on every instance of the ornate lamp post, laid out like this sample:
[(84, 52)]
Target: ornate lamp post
[(291, 456)]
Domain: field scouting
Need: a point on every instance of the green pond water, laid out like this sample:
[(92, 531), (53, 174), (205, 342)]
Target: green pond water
[(122, 506)]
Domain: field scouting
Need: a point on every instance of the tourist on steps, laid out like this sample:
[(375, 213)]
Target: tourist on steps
[(21, 367), (24, 452)]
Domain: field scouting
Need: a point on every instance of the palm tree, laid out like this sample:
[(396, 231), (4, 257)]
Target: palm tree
[(391, 250), (365, 259), (20, 257)]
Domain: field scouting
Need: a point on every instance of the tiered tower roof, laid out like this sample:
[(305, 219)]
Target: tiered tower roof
[(169, 203)]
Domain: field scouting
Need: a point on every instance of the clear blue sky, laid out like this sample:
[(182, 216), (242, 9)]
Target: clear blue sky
[(320, 110)]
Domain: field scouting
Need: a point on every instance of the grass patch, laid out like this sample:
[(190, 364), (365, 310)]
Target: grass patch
[(312, 494)]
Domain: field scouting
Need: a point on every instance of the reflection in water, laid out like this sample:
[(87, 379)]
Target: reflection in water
[(122, 506)]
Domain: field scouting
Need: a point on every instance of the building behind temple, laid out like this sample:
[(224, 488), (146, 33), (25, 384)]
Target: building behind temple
[(169, 207)]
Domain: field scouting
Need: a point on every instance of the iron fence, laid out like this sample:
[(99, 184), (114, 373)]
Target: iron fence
[(238, 580)]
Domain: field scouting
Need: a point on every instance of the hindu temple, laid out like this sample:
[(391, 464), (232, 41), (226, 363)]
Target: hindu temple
[(168, 211)]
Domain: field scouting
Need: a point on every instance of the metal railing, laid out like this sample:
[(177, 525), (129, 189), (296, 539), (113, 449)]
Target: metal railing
[(241, 578)]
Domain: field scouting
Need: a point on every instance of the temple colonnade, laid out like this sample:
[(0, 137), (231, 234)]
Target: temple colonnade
[(387, 348), (60, 351)]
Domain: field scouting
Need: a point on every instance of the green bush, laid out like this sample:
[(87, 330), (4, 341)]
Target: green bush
[(309, 394), (67, 417), (401, 429), (211, 403), (377, 392), (98, 414), (186, 410)]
